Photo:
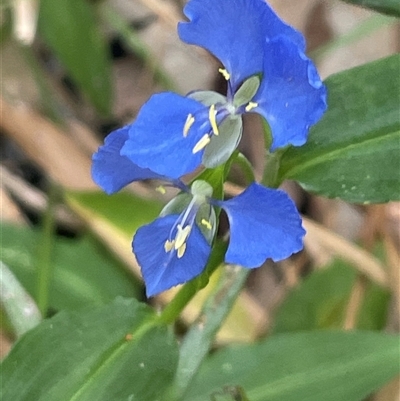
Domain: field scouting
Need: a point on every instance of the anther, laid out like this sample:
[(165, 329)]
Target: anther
[(212, 114), (189, 122), (168, 245), (206, 223), (251, 106), (181, 250), (181, 236), (202, 143), (224, 73), (161, 190)]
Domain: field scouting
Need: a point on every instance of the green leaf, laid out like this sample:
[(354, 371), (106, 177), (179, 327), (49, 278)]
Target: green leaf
[(230, 393), (198, 340), (215, 177), (5, 25), (114, 352), (310, 366), (22, 313), (320, 302), (374, 310), (84, 274), (123, 210), (391, 7), (353, 153), (70, 29)]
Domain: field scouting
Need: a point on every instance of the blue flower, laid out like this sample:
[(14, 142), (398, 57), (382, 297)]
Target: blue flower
[(264, 223), (267, 73), (173, 249), (164, 266), (113, 171)]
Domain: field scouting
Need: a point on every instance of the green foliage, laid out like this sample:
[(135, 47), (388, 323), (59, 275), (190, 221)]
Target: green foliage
[(123, 210), (352, 153), (102, 348), (310, 366), (391, 7), (217, 176), (70, 29), (113, 352), (230, 393), (320, 302), (5, 26), (21, 312), (84, 274), (199, 338)]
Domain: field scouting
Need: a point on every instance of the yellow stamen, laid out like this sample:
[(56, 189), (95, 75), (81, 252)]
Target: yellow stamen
[(206, 223), (181, 250), (251, 106), (212, 114), (225, 73), (168, 245), (203, 142), (181, 236), (189, 122), (161, 190)]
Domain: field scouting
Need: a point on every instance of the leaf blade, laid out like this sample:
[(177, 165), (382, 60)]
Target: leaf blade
[(83, 274), (92, 354), (391, 7), (351, 153), (70, 29), (312, 366)]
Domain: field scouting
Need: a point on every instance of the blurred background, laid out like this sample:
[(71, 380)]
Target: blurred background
[(73, 70)]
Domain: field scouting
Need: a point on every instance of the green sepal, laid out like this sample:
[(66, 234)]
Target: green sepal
[(207, 213), (247, 91), (201, 188), (208, 98), (223, 145), (176, 205)]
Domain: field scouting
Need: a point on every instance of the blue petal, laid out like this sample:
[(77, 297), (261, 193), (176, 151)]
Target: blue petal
[(162, 270), (264, 223), (291, 97), (156, 138), (235, 32), (110, 170)]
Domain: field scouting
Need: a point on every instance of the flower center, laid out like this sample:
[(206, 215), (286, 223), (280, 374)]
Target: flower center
[(206, 138), (220, 107), (179, 242), (180, 232)]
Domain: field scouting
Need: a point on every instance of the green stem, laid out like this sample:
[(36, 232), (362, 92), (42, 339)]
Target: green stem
[(198, 340), (44, 262), (172, 311), (271, 170), (245, 166)]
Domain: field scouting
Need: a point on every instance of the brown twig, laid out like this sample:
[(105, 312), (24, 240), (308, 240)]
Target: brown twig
[(35, 200), (47, 146)]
